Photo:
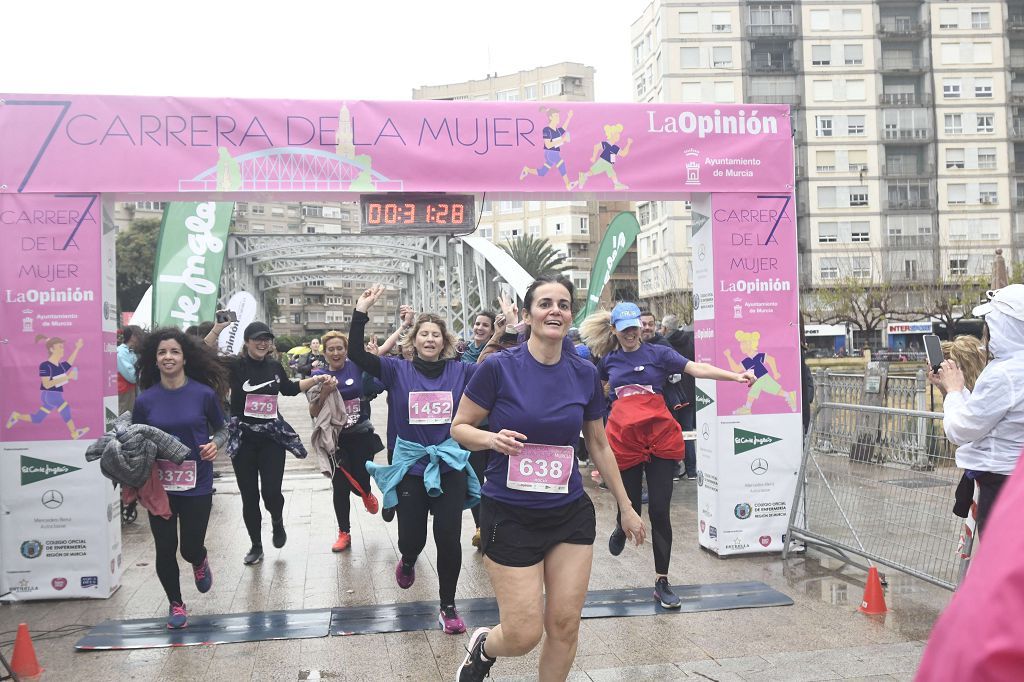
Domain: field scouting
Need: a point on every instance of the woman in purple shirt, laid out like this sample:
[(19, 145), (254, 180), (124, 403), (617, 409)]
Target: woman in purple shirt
[(538, 526), (183, 386)]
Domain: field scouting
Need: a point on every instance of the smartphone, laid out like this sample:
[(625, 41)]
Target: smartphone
[(933, 349), (226, 316)]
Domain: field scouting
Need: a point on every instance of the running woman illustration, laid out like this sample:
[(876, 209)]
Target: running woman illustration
[(606, 153), (54, 373), (555, 136), (762, 364)]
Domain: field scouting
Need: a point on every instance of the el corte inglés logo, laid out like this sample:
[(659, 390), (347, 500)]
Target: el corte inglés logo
[(744, 441), (703, 400), (33, 470)]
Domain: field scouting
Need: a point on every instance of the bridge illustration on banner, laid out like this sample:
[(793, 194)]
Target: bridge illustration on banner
[(291, 169)]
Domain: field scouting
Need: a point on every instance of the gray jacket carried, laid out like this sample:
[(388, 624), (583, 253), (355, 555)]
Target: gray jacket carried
[(127, 451)]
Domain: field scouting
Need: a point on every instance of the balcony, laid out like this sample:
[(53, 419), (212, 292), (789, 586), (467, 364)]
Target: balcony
[(904, 99), (910, 241), (907, 134), (893, 27), (792, 100), (1016, 167), (772, 30), (1015, 22), (902, 64), (786, 66), (1015, 97), (1016, 61), (1017, 129), (908, 204), (907, 170), (898, 275)]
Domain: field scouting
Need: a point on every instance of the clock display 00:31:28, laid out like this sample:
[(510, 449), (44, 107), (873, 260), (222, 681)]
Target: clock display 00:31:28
[(439, 213)]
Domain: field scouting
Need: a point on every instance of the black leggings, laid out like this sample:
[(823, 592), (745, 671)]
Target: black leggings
[(192, 513), (659, 503), (413, 505), (990, 485), (478, 460), (355, 465), (259, 461)]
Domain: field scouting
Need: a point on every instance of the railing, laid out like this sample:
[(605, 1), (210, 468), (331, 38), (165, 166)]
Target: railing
[(903, 241), (1015, 22), (1017, 130), (907, 134), (1017, 61), (892, 27), (901, 170), (793, 100), (904, 99), (903, 63), (1015, 97), (915, 204), (771, 30), (775, 67)]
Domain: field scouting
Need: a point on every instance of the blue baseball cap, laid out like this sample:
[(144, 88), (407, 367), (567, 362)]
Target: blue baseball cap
[(626, 315)]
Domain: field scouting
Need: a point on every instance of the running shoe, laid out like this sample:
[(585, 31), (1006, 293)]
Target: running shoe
[(691, 477), (405, 576), (476, 538), (203, 576), (617, 542), (664, 594), (12, 420), (280, 536), (450, 621), (388, 514), (177, 617), (254, 556), (476, 665), (342, 543), (370, 502)]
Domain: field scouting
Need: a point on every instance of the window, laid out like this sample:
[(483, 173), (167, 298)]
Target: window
[(985, 123), (687, 22), (257, 227), (514, 206), (823, 126), (958, 266), (507, 96), (256, 209), (853, 54), (829, 268), (721, 57), (851, 20), (950, 53), (979, 18), (983, 88), (955, 157), (949, 17), (724, 91), (486, 232), (951, 88), (861, 267), (988, 193), (690, 92), (855, 125), (689, 57), (721, 22), (858, 196), (982, 53), (857, 160), (530, 92), (828, 233), (986, 158), (823, 91), (820, 20), (309, 211), (860, 232), (552, 88), (956, 194), (535, 228), (855, 91), (638, 54), (277, 211), (909, 269), (826, 197), (954, 124), (821, 55), (825, 161)]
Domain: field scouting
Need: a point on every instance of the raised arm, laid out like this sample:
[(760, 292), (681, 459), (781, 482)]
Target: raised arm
[(357, 353), (408, 316)]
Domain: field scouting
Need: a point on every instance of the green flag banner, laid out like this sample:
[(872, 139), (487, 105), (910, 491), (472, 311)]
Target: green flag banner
[(621, 234), (189, 260)]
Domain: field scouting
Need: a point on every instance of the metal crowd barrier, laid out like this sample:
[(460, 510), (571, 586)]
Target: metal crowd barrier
[(875, 483)]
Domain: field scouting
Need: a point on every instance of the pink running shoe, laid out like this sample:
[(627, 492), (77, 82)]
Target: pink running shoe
[(405, 577), (450, 621)]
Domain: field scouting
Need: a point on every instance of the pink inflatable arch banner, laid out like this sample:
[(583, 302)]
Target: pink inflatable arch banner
[(180, 146)]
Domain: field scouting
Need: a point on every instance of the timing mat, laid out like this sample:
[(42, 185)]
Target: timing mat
[(404, 617)]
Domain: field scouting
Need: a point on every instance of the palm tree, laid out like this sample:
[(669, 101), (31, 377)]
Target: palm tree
[(536, 256)]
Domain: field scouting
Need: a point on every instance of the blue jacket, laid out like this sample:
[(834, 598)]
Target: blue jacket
[(408, 453)]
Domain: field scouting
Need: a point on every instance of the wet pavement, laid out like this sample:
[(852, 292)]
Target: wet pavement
[(820, 637)]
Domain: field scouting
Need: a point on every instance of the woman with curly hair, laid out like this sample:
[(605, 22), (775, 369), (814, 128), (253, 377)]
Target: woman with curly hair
[(182, 387), (430, 472)]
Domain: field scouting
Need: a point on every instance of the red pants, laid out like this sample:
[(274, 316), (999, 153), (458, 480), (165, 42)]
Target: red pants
[(640, 427)]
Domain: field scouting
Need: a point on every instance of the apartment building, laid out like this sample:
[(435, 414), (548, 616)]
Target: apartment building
[(574, 228), (908, 120)]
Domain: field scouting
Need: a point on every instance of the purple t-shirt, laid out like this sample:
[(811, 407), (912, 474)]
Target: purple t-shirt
[(650, 365), (350, 385), (190, 414), (401, 378), (546, 403)]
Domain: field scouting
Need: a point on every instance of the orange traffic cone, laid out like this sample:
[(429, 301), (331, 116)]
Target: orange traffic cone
[(874, 599), (24, 663)]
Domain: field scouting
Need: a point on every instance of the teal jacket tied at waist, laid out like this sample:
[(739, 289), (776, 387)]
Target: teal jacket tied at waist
[(408, 453)]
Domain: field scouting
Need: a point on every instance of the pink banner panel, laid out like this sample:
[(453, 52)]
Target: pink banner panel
[(163, 145)]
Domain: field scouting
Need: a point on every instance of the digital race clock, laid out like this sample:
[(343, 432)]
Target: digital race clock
[(418, 213)]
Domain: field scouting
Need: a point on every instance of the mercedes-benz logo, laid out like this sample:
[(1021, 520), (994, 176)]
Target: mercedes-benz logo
[(759, 466), (52, 499)]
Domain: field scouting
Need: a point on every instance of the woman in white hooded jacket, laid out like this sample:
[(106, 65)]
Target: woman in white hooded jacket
[(988, 423)]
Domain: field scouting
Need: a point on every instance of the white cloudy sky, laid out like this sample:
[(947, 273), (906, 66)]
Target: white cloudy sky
[(367, 49)]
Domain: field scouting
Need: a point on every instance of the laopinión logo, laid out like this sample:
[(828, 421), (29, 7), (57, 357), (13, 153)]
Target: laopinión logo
[(744, 441)]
